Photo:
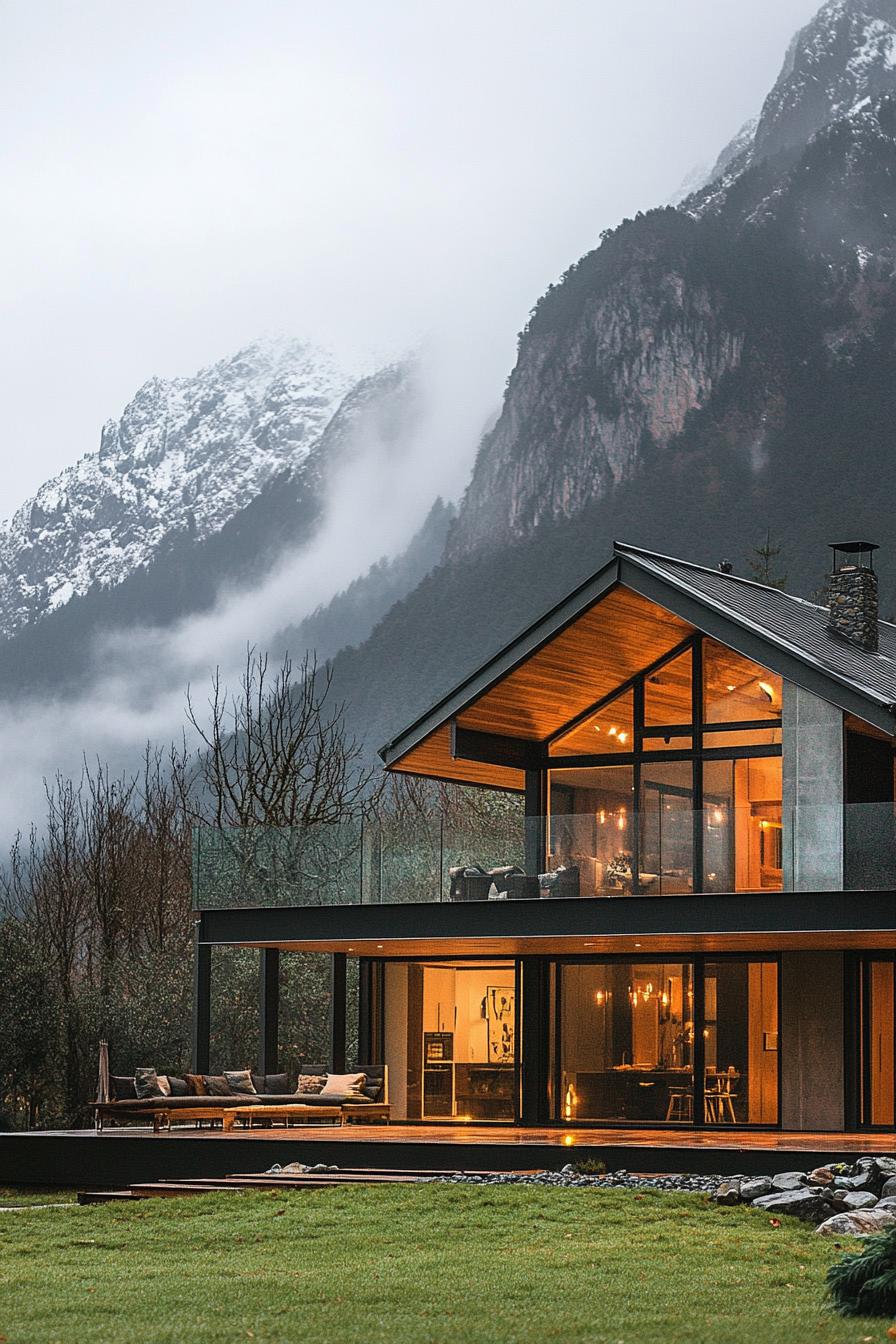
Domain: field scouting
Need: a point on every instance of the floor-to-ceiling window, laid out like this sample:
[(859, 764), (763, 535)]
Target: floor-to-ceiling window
[(877, 1041), (449, 1039), (672, 784), (677, 1042)]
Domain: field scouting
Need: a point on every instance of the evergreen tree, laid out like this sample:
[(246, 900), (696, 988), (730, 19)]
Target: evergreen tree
[(763, 562)]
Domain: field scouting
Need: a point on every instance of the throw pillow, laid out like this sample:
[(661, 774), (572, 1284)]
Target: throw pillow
[(240, 1081), (122, 1089), (148, 1083), (178, 1086), (216, 1085), (311, 1083), (344, 1085), (196, 1085), (277, 1085)]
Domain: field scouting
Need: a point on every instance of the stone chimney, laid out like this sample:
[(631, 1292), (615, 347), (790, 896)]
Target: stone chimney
[(852, 594)]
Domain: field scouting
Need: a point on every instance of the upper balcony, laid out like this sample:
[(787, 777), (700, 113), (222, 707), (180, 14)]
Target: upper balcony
[(666, 852)]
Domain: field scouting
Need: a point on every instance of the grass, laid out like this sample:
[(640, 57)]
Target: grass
[(418, 1264)]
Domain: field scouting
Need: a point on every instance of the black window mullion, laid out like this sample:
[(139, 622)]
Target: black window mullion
[(699, 1019), (636, 794)]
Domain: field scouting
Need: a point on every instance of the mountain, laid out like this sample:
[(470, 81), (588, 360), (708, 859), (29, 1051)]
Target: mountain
[(698, 330), (834, 66), (237, 525), (184, 458), (707, 375)]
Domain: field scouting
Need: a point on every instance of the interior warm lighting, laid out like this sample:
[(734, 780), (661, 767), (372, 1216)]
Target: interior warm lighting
[(732, 688), (623, 737), (768, 691), (611, 733), (718, 816), (603, 817), (569, 1140), (621, 822), (569, 1103)]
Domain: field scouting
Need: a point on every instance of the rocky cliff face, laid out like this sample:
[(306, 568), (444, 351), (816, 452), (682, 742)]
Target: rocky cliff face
[(693, 325)]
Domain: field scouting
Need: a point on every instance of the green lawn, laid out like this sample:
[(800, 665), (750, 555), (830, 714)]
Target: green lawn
[(417, 1264)]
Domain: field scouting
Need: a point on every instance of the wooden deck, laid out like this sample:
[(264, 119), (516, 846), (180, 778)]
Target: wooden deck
[(359, 1136), (120, 1157)]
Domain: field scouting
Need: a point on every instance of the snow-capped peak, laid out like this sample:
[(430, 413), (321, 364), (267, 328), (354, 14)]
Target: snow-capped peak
[(185, 456)]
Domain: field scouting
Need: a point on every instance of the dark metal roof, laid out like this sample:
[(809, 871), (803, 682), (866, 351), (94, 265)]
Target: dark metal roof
[(788, 634), (789, 623)]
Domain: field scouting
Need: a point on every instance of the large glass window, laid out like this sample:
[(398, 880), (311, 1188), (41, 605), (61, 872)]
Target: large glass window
[(742, 825), (740, 1043), (627, 1042), (591, 828), (645, 800), (450, 1040), (736, 690), (666, 823), (628, 1034)]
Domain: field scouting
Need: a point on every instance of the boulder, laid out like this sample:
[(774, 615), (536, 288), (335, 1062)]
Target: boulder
[(850, 1201), (887, 1202), (788, 1180), (805, 1203), (888, 1188), (821, 1176), (728, 1192), (886, 1166), (866, 1179), (755, 1187), (861, 1223)]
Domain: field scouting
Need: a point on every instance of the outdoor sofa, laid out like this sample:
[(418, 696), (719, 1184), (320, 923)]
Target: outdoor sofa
[(212, 1095)]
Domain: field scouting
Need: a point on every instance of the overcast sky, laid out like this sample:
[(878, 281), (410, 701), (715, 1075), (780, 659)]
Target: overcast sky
[(179, 177)]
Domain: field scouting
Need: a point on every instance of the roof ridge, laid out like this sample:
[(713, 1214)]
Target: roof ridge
[(626, 549)]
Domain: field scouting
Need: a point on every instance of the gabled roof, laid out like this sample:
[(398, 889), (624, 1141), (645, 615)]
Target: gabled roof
[(787, 634)]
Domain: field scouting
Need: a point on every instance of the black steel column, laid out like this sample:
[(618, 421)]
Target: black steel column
[(532, 1036), (268, 1009), (202, 1003), (337, 1011)]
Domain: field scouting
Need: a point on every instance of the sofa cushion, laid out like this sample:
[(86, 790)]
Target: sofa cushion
[(122, 1089), (276, 1084), (310, 1084), (178, 1086), (240, 1081), (216, 1085), (148, 1083), (195, 1085), (347, 1085)]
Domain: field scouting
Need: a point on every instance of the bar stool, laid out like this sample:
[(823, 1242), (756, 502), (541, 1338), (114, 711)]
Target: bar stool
[(681, 1104)]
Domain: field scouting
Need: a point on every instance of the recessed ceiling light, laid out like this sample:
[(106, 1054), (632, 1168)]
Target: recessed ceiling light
[(379, 947)]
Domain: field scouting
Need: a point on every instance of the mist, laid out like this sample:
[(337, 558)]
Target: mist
[(375, 179)]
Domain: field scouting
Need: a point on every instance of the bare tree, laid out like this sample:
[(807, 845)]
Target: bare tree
[(276, 752)]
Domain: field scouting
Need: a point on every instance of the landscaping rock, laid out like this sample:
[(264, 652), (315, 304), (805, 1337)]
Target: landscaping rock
[(885, 1167), (888, 1188), (805, 1203), (850, 1201), (866, 1179), (821, 1176), (862, 1223), (755, 1187), (788, 1180), (728, 1193)]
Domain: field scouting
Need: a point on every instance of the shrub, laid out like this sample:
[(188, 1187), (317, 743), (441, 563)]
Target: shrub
[(865, 1284)]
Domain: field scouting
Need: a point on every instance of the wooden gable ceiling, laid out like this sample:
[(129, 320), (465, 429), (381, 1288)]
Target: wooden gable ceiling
[(616, 638), (619, 636)]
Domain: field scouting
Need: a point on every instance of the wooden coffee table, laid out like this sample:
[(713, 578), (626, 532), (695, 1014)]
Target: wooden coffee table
[(287, 1112)]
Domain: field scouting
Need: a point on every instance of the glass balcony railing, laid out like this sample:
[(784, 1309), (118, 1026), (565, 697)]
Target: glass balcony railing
[(666, 850)]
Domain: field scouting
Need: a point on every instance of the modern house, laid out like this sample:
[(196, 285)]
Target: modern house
[(686, 918)]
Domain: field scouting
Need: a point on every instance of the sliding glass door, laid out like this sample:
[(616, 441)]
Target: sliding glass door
[(667, 1042), (450, 1040)]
